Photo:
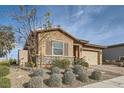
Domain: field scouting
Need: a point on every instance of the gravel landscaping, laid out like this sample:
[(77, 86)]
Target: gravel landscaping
[(20, 77)]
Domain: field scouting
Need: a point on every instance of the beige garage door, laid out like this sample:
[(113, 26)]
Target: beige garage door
[(91, 57)]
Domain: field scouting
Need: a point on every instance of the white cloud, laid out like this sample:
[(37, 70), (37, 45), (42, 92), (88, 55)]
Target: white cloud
[(94, 9), (82, 17), (78, 14), (106, 36)]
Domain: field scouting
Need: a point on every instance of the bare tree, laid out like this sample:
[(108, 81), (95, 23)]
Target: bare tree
[(28, 22)]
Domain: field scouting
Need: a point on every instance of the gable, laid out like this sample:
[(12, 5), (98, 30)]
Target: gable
[(55, 30), (57, 35)]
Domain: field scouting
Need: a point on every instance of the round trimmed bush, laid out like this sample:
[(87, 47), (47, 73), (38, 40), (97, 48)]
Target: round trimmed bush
[(69, 77), (78, 68), (83, 76), (39, 72), (55, 80), (5, 82), (55, 70), (35, 82), (97, 75), (4, 70), (68, 69)]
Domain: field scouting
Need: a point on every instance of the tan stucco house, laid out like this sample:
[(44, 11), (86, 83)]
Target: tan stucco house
[(113, 52), (57, 43)]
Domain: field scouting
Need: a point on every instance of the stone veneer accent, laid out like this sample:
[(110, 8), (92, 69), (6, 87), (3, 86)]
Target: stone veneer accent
[(47, 60)]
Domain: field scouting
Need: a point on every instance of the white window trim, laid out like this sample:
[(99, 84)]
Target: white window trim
[(52, 47)]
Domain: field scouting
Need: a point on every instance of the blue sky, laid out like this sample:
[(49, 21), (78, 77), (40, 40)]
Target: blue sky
[(102, 25)]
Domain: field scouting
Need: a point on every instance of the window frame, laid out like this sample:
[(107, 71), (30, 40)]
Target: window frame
[(53, 47)]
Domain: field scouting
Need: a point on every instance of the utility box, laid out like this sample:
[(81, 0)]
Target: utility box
[(22, 57)]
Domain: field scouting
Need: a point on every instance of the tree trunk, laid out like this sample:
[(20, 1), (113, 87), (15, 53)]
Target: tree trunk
[(6, 57), (31, 59)]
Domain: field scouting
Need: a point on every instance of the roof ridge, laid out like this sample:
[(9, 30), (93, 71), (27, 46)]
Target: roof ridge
[(114, 45)]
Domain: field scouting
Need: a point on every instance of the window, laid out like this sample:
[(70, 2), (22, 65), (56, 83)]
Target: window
[(57, 48)]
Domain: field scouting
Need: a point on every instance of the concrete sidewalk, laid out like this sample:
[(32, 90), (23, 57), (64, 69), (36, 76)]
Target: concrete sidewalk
[(111, 83)]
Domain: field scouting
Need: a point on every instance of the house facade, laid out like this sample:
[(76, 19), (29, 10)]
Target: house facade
[(113, 52), (56, 43)]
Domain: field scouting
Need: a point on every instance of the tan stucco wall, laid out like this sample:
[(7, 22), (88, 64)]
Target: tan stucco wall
[(54, 35), (99, 51), (113, 53)]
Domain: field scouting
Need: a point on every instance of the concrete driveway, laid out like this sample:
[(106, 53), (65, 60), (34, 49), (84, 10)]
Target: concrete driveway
[(111, 83), (117, 82), (109, 68)]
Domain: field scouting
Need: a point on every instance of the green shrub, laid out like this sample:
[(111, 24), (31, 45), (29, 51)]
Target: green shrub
[(55, 80), (4, 70), (39, 72), (82, 62), (78, 68), (12, 61), (55, 70), (83, 76), (121, 59), (5, 82), (97, 75), (56, 62), (4, 63), (121, 64), (64, 63), (69, 77), (35, 82)]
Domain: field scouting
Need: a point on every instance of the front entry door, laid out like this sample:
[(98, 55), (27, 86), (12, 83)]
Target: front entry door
[(76, 52)]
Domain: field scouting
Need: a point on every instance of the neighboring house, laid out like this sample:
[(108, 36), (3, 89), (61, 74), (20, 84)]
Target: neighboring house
[(113, 52), (59, 44)]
